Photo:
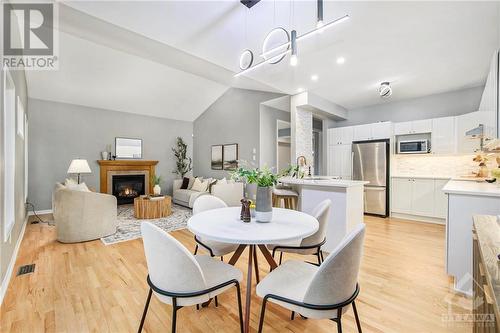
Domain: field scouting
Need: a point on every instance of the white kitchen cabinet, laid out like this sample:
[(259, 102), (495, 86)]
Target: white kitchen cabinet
[(413, 127), (440, 198), (422, 126), (362, 132), (402, 128), (381, 130), (340, 135), (340, 161), (464, 123), (401, 195), (422, 194), (419, 197), (443, 135)]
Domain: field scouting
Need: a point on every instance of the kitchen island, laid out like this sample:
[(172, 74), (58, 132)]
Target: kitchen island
[(347, 203), (466, 199)]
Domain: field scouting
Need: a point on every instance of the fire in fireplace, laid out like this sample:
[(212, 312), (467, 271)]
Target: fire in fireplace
[(127, 187)]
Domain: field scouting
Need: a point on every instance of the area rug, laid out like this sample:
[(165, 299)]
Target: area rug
[(130, 228)]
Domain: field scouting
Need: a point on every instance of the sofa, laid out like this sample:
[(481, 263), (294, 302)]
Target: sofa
[(229, 192), (82, 215)]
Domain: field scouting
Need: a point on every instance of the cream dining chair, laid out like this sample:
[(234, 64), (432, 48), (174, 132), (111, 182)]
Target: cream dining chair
[(180, 278), (323, 292), (310, 245), (216, 249)]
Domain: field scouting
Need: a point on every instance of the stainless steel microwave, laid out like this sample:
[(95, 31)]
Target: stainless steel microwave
[(414, 147)]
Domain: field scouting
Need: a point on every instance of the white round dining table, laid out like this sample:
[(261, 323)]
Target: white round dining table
[(224, 225)]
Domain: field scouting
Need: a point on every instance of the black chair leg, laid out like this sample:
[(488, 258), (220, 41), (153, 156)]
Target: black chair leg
[(281, 257), (197, 306), (216, 302), (319, 258), (339, 320), (292, 316), (174, 314), (196, 249), (240, 311), (262, 313), (221, 258), (322, 258), (356, 316), (145, 310)]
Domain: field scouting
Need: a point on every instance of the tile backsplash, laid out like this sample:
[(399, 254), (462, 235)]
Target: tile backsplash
[(435, 165)]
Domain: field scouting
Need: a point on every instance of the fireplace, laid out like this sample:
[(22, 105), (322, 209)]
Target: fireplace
[(127, 187)]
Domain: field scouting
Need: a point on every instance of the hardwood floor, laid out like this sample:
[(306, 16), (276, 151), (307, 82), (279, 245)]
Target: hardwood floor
[(90, 287)]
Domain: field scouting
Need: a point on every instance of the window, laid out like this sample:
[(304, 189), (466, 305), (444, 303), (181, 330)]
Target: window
[(9, 148)]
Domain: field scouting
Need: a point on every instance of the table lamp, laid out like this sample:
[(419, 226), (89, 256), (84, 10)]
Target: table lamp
[(79, 166)]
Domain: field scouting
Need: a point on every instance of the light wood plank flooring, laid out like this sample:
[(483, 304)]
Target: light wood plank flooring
[(90, 287)]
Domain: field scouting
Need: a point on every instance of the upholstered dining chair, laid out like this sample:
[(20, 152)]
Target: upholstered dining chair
[(180, 278), (323, 292), (216, 249), (310, 245)]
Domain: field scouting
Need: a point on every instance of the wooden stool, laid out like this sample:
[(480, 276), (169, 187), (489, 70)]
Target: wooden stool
[(289, 197)]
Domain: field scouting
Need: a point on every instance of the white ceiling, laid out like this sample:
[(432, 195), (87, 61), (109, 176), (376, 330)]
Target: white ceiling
[(422, 47)]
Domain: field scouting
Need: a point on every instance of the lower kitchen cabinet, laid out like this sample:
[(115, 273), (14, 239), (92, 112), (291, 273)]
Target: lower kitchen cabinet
[(412, 198)]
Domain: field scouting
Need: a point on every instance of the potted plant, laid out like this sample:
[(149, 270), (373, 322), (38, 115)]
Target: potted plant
[(156, 180), (293, 171), (265, 180), (183, 164)]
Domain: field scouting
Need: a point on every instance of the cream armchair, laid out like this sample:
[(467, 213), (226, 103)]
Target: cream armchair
[(83, 216)]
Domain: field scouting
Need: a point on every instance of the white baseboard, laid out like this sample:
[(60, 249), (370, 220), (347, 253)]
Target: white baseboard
[(8, 274), (418, 218), (40, 212)]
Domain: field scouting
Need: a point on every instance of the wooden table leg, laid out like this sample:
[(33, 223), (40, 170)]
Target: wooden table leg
[(256, 264), (246, 324), (237, 254), (268, 256)]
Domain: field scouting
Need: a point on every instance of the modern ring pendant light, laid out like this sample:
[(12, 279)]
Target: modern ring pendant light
[(277, 53)]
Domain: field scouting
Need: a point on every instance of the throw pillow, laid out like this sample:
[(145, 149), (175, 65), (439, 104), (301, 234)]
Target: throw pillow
[(70, 181), (191, 181), (78, 187), (185, 183), (199, 186)]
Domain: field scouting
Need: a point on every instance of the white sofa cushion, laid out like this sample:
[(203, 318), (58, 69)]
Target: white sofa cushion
[(183, 195), (200, 186)]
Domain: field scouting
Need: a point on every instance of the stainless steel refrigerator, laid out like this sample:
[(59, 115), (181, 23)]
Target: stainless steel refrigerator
[(371, 163)]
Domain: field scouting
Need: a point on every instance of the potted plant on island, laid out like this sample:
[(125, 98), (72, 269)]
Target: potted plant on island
[(265, 180)]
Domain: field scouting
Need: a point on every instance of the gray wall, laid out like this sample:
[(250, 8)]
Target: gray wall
[(233, 118), (439, 105), (7, 248), (268, 134), (60, 132)]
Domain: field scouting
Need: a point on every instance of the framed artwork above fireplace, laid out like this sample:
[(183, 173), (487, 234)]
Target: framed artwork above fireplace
[(128, 148)]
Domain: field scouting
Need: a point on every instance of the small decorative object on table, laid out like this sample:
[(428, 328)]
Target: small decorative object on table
[(156, 180), (245, 210), (104, 155), (265, 181)]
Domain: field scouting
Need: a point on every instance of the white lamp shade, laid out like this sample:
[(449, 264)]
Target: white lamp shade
[(79, 166)]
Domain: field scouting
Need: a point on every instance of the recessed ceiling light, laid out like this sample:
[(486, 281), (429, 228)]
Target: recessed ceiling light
[(300, 90), (340, 60), (314, 77)]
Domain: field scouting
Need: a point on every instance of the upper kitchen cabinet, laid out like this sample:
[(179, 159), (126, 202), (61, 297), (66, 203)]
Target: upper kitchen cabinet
[(373, 131), (340, 135), (443, 135), (413, 127), (465, 123)]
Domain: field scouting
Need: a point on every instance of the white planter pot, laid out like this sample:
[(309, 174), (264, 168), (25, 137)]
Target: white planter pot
[(157, 190)]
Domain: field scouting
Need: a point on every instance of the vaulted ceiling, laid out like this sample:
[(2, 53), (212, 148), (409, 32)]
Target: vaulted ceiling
[(174, 58)]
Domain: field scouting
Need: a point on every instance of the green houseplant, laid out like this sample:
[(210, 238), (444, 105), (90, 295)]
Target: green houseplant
[(183, 163), (156, 180), (265, 179)]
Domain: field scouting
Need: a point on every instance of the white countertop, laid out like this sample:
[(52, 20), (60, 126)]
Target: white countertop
[(421, 176), (322, 181), (471, 188)]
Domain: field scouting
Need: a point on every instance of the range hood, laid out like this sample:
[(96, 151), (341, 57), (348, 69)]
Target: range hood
[(476, 133)]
